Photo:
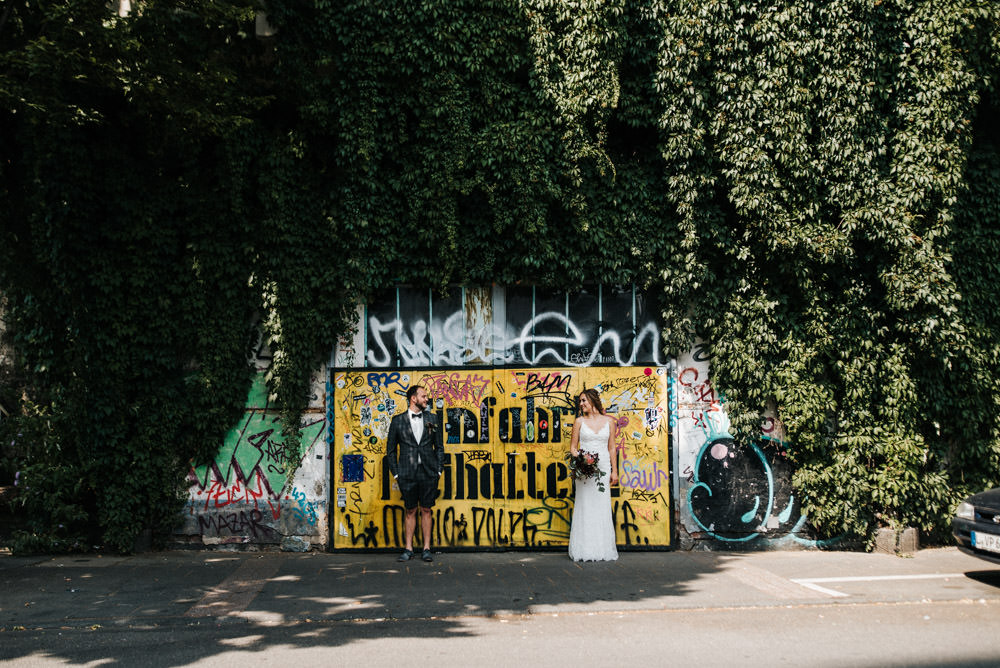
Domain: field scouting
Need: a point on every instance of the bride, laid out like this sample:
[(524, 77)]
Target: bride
[(592, 531)]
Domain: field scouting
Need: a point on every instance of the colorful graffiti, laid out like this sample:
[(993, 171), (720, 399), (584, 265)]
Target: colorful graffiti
[(505, 482), (736, 492), (247, 493)]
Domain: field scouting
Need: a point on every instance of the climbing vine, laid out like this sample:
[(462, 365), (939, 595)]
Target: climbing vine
[(812, 186)]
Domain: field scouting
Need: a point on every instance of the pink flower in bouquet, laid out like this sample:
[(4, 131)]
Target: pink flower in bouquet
[(584, 466)]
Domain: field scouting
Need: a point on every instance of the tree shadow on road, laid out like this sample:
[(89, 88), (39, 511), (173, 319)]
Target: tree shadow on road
[(152, 609)]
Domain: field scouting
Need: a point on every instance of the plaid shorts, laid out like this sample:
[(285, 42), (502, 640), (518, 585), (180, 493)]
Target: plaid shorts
[(418, 492)]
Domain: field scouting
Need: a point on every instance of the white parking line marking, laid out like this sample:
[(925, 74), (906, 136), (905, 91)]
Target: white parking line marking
[(874, 578), (767, 582), (811, 583), (816, 587)]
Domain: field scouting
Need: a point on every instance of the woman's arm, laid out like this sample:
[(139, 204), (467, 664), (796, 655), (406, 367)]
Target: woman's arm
[(612, 439), (574, 441)]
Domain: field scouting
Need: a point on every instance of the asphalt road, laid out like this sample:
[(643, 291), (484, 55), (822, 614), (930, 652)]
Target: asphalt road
[(939, 608)]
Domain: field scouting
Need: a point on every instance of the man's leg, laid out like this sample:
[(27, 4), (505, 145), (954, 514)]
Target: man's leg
[(426, 520), (409, 525)]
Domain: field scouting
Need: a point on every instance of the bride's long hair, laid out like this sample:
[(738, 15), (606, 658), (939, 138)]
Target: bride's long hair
[(593, 397)]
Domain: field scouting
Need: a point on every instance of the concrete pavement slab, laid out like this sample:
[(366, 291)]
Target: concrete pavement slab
[(86, 589), (179, 588)]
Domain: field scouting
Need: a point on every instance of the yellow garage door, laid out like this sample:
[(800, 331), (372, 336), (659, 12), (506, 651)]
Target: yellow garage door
[(506, 435)]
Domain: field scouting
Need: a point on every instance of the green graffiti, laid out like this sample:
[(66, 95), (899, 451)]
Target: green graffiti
[(256, 445)]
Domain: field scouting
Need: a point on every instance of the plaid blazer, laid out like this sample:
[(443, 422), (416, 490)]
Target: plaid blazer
[(411, 460)]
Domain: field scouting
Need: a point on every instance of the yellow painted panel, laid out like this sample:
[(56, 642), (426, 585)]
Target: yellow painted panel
[(506, 435)]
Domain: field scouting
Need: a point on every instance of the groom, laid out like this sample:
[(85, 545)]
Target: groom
[(416, 435)]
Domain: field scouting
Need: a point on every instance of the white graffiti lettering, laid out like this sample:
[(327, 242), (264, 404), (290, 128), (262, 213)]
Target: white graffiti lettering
[(450, 343)]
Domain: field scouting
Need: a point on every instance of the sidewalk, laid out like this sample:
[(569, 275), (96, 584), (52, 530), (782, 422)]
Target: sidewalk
[(185, 588)]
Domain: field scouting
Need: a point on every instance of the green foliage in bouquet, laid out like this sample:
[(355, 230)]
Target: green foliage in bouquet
[(584, 467)]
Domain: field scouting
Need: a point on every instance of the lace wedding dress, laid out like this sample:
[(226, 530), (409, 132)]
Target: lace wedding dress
[(592, 533)]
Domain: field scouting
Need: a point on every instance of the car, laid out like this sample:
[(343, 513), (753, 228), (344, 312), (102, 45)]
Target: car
[(976, 525)]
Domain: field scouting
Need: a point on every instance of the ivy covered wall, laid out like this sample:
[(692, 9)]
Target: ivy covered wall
[(811, 186)]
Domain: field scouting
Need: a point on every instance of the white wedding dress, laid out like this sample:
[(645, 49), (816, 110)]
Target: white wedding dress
[(592, 532)]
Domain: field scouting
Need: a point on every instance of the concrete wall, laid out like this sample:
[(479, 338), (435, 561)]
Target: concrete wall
[(247, 495), (732, 494)]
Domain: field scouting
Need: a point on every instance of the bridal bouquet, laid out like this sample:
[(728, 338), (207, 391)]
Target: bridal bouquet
[(584, 466)]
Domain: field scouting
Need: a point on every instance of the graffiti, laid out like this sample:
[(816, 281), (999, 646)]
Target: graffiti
[(221, 495), (648, 515), (504, 481), (456, 387), (552, 518), (248, 477), (242, 523), (449, 342), (461, 525), (646, 497), (547, 385), (484, 526), (490, 522), (256, 446), (737, 492), (627, 526), (576, 339), (701, 353), (697, 390), (740, 492), (462, 479), (645, 384), (369, 534), (464, 425), (377, 381), (632, 476), (672, 407), (304, 510), (356, 500), (330, 413), (524, 423), (641, 449), (352, 468), (653, 417)]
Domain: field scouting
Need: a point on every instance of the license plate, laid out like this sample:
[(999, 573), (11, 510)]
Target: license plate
[(985, 541)]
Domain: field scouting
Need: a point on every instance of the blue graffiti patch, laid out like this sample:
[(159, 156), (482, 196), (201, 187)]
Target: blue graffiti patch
[(352, 468)]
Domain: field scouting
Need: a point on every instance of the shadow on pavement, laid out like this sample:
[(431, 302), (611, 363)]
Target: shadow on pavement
[(203, 605), (991, 578)]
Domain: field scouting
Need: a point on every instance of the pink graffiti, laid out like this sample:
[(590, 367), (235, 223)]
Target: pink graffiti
[(620, 439), (651, 515), (454, 387)]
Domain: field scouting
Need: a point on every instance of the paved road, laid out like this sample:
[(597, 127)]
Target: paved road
[(939, 608)]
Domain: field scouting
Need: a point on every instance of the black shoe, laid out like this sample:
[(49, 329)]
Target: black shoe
[(406, 556), (426, 556)]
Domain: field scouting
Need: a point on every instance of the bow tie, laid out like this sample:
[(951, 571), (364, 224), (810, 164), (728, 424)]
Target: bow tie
[(417, 416)]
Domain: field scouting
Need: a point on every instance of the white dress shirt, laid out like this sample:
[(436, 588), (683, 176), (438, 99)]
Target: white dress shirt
[(417, 425)]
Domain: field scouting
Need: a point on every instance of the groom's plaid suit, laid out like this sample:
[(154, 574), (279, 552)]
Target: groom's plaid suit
[(408, 459)]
